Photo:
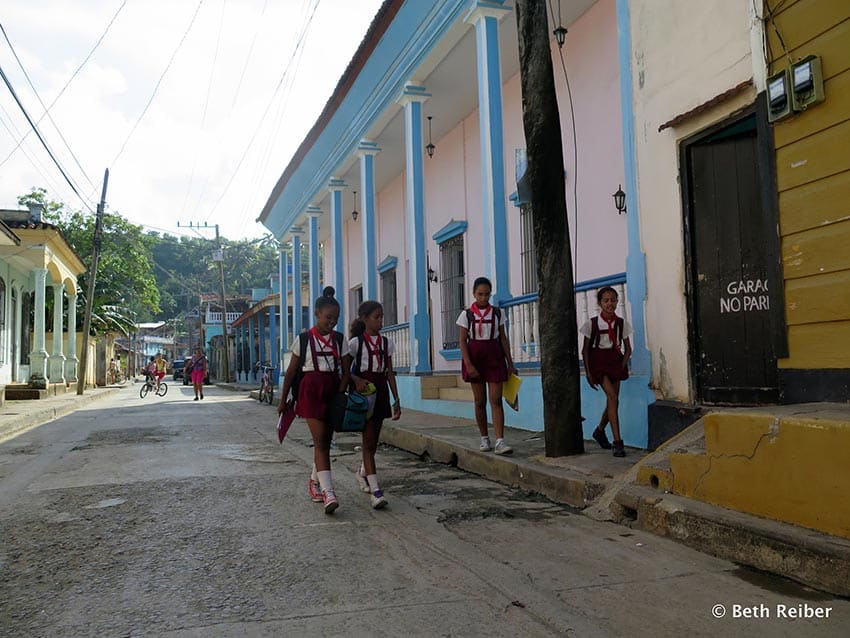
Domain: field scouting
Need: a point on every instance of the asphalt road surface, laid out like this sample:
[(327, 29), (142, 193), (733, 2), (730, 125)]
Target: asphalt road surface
[(172, 517)]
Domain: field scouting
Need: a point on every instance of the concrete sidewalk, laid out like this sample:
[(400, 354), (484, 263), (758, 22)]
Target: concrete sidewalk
[(606, 488), (17, 417)]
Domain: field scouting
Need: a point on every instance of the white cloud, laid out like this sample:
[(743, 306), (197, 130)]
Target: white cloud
[(154, 176)]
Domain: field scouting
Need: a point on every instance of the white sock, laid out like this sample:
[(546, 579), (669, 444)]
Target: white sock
[(372, 479), (313, 475), (362, 471), (325, 480), (485, 439), (499, 441)]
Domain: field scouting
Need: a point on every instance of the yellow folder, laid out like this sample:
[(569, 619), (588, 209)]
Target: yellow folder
[(510, 391)]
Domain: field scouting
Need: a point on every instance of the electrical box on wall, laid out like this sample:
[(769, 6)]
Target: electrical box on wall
[(778, 96), (806, 83)]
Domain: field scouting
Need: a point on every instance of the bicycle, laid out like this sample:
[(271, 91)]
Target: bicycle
[(266, 392), (149, 385)]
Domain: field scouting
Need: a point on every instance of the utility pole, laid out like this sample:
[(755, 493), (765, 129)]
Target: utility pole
[(98, 236), (218, 256), (559, 369)]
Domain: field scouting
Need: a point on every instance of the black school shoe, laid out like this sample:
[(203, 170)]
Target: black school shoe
[(619, 448), (600, 437)]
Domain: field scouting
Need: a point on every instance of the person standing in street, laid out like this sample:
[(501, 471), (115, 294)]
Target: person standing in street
[(606, 353), (317, 354), (372, 365), (199, 373), (486, 362)]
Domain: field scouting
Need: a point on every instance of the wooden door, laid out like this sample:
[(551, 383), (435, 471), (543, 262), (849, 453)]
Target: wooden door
[(732, 245)]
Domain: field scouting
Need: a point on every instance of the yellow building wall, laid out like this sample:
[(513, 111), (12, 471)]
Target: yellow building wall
[(813, 181)]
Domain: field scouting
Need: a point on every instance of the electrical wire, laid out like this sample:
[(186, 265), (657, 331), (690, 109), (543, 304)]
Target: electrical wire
[(70, 79), (40, 101), (265, 113), (39, 168), (158, 83), (248, 57), (41, 139), (575, 139)]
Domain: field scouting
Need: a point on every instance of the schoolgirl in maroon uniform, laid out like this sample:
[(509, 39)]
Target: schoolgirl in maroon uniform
[(372, 356), (325, 374), (486, 361), (606, 353)]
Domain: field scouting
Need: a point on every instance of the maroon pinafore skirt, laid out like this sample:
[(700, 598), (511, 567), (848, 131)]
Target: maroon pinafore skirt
[(488, 357)]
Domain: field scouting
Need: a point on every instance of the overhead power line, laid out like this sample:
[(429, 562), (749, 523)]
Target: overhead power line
[(70, 79), (158, 82), (46, 110), (41, 139)]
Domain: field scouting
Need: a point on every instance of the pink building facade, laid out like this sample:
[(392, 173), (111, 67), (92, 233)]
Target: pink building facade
[(426, 127)]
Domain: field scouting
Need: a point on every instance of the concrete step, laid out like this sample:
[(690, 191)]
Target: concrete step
[(430, 386), (456, 394), (22, 392)]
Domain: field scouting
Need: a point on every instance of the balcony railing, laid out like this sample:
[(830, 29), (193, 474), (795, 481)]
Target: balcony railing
[(399, 334), (215, 317), (524, 321)]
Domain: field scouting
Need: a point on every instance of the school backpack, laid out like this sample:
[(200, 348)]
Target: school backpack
[(470, 319), (355, 368), (303, 338), (595, 334)]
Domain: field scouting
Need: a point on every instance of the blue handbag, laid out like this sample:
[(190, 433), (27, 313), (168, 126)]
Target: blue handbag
[(347, 412)]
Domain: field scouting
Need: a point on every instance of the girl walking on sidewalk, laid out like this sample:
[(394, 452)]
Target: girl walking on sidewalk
[(372, 364), (606, 353), (486, 361), (324, 375), (199, 372)]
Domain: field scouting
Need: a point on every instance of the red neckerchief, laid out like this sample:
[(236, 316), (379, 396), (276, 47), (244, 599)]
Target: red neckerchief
[(374, 350), (612, 333), (328, 343), (481, 316)]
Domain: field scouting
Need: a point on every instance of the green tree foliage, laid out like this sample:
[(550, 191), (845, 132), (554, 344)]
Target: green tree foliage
[(125, 287)]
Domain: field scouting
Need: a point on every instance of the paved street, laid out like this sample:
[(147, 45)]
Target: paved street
[(168, 517)]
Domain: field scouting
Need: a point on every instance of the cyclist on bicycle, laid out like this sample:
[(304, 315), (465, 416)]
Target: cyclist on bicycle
[(160, 366)]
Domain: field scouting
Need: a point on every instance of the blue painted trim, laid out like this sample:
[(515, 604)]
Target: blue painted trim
[(252, 355), (452, 229), (273, 336), (284, 304), (515, 301), (337, 237), (297, 303), (388, 264), (367, 184), (635, 260), (261, 330), (451, 355), (514, 198), (420, 322), (599, 282), (416, 30), (315, 290)]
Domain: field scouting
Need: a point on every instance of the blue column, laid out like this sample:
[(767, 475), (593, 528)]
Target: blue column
[(237, 337), (336, 186), (314, 213), (420, 324), (285, 340), (367, 151), (252, 355), (485, 15), (297, 302), (243, 351), (273, 348), (261, 330)]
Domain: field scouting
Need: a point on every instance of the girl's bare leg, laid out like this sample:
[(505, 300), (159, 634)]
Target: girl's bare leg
[(371, 435), (497, 410), (479, 394), (612, 393), (321, 434)]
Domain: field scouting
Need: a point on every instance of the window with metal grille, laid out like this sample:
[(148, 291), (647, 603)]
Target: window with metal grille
[(527, 252), (452, 288), (356, 300), (389, 297)]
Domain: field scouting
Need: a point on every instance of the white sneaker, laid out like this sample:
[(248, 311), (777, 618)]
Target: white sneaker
[(379, 501), (362, 482), (503, 448), (485, 445)]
